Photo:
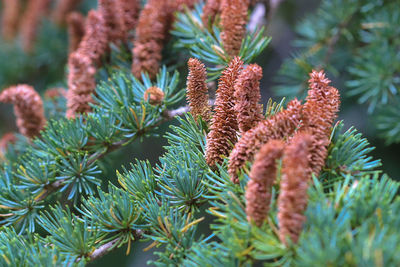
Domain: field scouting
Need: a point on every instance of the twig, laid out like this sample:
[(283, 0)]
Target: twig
[(333, 40), (260, 12), (109, 246), (273, 6), (257, 17), (166, 116), (104, 249), (169, 114), (50, 188)]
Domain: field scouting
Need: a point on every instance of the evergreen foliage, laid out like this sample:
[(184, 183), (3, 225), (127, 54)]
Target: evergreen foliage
[(358, 40), (207, 46), (57, 208)]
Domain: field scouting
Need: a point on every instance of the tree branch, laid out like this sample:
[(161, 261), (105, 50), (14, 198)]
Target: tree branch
[(257, 17), (165, 116), (104, 249), (111, 245)]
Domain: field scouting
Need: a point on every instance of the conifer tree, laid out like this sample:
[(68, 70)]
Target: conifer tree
[(240, 182)]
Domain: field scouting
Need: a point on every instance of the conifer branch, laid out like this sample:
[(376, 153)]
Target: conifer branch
[(111, 245), (166, 116), (278, 213), (104, 249)]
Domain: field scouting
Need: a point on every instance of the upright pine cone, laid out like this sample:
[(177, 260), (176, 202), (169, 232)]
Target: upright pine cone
[(128, 14), (34, 11), (319, 113), (233, 23), (10, 17), (151, 33), (248, 96), (197, 91), (210, 11), (114, 24), (82, 65), (76, 30), (223, 130), (62, 8), (81, 84), (262, 177), (279, 126), (296, 174), (28, 108), (94, 43)]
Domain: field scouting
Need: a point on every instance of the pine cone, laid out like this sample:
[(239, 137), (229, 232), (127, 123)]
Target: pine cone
[(62, 8), (113, 23), (81, 84), (94, 43), (210, 11), (223, 132), (262, 177), (76, 30), (320, 111), (279, 126), (233, 23), (151, 33), (128, 14), (197, 91), (28, 108), (248, 96), (10, 18), (296, 174), (31, 18)]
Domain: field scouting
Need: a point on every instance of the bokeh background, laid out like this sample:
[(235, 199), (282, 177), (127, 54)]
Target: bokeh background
[(45, 68)]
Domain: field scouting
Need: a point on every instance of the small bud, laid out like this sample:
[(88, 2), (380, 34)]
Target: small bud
[(154, 95)]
